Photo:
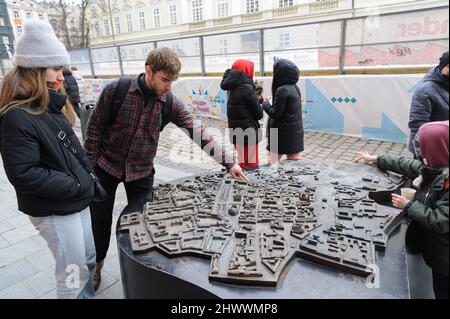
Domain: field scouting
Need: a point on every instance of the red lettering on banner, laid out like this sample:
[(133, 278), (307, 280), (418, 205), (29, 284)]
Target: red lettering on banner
[(427, 27)]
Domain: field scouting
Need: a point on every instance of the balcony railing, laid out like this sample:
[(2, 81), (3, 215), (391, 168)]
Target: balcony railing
[(323, 6), (283, 12), (197, 25), (252, 17), (223, 21)]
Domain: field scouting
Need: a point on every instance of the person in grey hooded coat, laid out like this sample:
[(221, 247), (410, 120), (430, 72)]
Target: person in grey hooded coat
[(430, 102)]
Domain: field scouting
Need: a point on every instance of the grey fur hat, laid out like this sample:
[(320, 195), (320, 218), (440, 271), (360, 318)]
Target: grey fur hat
[(38, 47)]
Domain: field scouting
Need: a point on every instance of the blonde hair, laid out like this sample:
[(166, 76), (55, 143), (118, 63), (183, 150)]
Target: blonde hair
[(22, 86)]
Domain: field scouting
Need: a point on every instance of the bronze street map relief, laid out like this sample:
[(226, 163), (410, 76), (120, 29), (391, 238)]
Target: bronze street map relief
[(325, 213)]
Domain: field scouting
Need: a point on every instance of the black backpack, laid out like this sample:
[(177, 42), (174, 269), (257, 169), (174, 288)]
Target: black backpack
[(120, 94)]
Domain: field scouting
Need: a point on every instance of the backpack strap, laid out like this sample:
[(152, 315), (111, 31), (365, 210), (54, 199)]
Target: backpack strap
[(120, 93), (167, 110)]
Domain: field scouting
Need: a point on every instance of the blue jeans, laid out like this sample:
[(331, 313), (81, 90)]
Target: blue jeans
[(71, 242)]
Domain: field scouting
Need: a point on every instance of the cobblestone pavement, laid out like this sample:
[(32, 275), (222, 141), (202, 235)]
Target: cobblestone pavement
[(26, 264)]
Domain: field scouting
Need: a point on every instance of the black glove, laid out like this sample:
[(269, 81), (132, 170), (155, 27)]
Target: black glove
[(266, 105)]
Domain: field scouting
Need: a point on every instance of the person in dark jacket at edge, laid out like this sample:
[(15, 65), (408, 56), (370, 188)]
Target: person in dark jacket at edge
[(430, 101), (243, 111), (72, 90), (51, 185), (429, 208), (285, 127)]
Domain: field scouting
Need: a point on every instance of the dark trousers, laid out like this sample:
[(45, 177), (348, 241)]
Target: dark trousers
[(440, 285), (138, 193)]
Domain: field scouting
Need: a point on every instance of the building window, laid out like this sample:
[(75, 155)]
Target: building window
[(96, 29), (5, 40), (197, 10), (156, 18), (16, 14), (196, 47), (223, 46), (286, 3), (223, 8), (106, 25), (252, 6), (132, 53), (117, 24), (2, 22), (129, 23), (28, 14), (285, 40), (173, 14), (41, 16), (142, 20), (19, 29)]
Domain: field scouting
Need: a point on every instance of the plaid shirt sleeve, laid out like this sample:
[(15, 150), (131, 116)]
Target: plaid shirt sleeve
[(208, 143), (98, 124)]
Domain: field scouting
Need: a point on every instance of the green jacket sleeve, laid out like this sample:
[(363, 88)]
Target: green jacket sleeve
[(401, 165), (435, 220)]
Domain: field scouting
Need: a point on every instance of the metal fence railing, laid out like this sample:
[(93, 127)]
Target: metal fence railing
[(406, 40)]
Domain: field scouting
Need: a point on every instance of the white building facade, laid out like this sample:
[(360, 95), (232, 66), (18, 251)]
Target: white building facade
[(128, 21), (322, 37)]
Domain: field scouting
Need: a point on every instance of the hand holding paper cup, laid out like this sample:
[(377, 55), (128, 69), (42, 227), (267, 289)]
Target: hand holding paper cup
[(408, 193)]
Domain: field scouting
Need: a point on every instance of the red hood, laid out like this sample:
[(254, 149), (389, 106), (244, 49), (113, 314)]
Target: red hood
[(246, 66), (433, 139)]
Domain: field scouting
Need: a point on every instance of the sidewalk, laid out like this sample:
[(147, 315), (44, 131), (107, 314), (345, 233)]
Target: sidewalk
[(26, 264)]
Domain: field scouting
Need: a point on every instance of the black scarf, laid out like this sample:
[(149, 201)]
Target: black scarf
[(57, 101)]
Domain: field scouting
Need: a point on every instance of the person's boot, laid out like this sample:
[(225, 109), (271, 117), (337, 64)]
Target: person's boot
[(98, 274)]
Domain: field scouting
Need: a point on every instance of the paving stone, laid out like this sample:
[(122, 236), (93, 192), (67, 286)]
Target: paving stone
[(15, 272), (20, 234), (3, 243), (42, 282), (19, 221), (42, 259), (113, 292), (5, 226), (112, 245), (112, 266), (7, 213), (17, 291), (107, 281), (17, 251)]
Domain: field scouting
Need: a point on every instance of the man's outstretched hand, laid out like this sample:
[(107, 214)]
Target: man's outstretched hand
[(237, 172)]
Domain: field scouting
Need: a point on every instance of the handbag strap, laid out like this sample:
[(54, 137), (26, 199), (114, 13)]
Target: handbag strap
[(62, 136)]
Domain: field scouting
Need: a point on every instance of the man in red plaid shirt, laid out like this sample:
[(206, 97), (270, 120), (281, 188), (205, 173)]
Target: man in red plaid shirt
[(123, 150)]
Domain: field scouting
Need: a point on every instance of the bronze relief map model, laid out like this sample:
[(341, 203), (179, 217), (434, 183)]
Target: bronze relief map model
[(325, 213)]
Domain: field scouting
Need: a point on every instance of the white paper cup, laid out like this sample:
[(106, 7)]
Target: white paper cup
[(408, 193)]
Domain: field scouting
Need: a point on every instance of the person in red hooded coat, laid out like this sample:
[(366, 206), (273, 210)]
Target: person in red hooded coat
[(243, 111)]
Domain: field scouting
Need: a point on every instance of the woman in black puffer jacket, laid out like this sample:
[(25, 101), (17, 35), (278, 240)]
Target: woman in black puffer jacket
[(285, 129), (53, 188), (244, 111)]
